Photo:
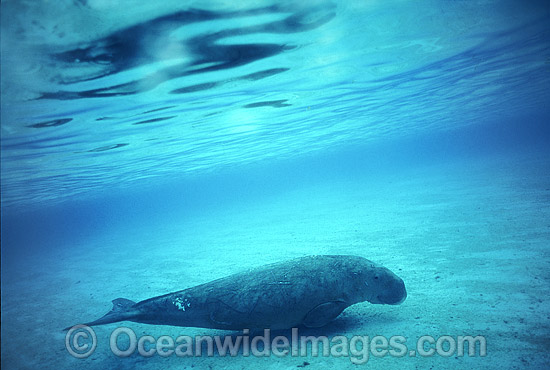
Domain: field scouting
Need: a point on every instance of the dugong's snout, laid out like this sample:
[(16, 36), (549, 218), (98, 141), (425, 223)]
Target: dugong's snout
[(394, 292)]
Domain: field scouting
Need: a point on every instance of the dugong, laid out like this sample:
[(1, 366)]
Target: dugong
[(309, 291)]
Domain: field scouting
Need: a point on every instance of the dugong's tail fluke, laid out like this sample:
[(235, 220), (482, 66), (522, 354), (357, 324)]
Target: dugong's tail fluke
[(121, 311)]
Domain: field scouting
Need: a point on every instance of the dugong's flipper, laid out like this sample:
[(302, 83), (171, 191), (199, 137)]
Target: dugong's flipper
[(324, 313), (121, 311)]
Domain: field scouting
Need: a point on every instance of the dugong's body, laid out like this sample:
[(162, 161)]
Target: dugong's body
[(308, 291)]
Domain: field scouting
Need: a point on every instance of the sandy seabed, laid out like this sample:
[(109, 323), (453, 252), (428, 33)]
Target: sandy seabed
[(471, 240)]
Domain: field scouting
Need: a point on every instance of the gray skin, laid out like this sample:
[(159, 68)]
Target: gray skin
[(310, 291)]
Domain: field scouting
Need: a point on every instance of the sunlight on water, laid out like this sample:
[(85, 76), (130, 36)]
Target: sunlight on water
[(105, 95)]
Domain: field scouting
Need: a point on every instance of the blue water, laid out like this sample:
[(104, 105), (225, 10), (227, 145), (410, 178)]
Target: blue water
[(147, 147)]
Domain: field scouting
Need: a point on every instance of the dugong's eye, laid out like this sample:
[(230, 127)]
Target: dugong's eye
[(375, 277)]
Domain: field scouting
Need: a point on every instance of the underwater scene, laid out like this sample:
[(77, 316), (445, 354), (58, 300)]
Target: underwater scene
[(325, 184)]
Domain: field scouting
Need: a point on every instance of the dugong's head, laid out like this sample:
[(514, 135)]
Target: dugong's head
[(378, 284)]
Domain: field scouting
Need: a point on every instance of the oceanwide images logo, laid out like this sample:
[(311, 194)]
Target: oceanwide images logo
[(81, 342)]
